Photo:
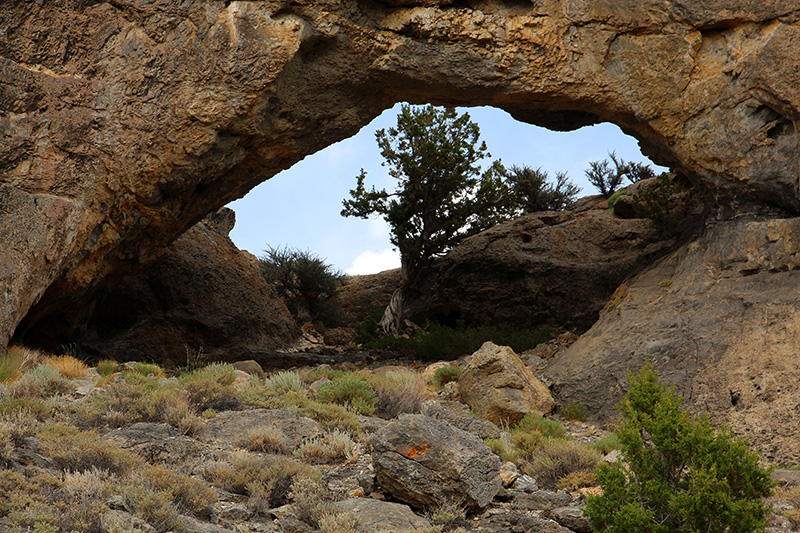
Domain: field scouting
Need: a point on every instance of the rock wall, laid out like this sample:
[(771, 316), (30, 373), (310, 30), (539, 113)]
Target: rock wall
[(719, 318), (124, 122)]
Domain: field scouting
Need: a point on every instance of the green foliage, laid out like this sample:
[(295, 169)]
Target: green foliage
[(285, 381), (305, 283), (574, 411), (10, 366), (210, 387), (351, 392), (654, 203), (148, 369), (445, 375), (612, 200), (529, 191), (106, 367), (607, 179), (75, 450), (445, 343), (442, 196), (607, 444), (678, 473), (536, 423)]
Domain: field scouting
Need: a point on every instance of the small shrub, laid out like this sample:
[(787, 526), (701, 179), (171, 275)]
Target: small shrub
[(607, 444), (354, 393), (211, 387), (607, 180), (75, 450), (531, 191), (398, 391), (16, 359), (265, 439), (190, 495), (556, 458), (67, 366), (329, 416), (445, 375), (536, 423), (448, 515), (148, 369), (34, 408), (41, 381), (285, 381), (312, 501), (576, 480), (265, 478), (654, 203), (574, 411), (678, 473), (107, 367), (305, 283), (153, 506), (331, 447)]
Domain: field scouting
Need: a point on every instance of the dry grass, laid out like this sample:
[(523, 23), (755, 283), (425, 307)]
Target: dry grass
[(576, 480), (18, 359), (557, 458), (399, 391), (332, 447), (265, 439), (41, 381), (190, 495), (67, 366), (211, 387), (74, 450)]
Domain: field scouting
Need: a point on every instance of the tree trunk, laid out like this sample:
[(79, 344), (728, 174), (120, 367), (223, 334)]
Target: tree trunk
[(393, 320)]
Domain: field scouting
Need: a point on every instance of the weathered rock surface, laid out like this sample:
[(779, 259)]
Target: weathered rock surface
[(556, 268), (233, 427), (458, 416), (203, 293), (719, 319), (426, 462), (124, 123), (375, 515), (498, 386), (360, 296)]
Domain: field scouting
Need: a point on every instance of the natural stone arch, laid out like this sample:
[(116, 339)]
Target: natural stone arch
[(125, 122)]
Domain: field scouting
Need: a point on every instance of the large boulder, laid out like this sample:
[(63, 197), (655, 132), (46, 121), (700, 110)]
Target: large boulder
[(125, 122), (499, 387), (202, 294), (375, 515), (556, 268), (426, 462), (719, 319)]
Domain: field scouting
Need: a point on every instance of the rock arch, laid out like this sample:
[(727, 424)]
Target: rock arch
[(124, 122)]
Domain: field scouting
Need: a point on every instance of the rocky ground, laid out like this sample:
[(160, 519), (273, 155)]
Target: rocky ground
[(228, 448)]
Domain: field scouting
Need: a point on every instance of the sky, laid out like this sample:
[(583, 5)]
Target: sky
[(300, 207)]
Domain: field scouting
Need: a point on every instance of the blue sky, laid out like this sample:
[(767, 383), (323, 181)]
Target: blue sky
[(300, 207)]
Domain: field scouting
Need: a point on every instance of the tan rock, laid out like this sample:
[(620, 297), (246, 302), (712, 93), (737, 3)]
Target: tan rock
[(498, 386)]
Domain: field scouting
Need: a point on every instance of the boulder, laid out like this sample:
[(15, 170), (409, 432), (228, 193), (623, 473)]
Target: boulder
[(160, 112), (572, 518), (375, 515), (457, 415), (719, 319), (158, 443), (498, 386), (203, 297), (554, 268), (233, 427), (426, 462)]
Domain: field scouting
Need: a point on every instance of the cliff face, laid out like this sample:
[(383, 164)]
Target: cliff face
[(125, 122)]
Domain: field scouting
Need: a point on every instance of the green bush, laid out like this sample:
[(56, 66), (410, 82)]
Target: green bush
[(106, 367), (678, 473), (533, 422), (352, 392), (654, 203), (445, 375), (574, 411), (440, 342), (305, 282)]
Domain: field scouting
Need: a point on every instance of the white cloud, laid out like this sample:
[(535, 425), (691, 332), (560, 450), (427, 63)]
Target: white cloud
[(370, 262)]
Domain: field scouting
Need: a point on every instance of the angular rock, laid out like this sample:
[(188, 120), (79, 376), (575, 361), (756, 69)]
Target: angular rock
[(251, 367), (426, 462), (719, 320), (540, 499), (233, 427), (375, 515), (158, 443), (556, 268), (203, 296), (508, 473), (458, 416), (572, 518), (505, 520), (498, 386)]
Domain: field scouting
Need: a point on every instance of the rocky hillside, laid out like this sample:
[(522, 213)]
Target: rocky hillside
[(221, 448)]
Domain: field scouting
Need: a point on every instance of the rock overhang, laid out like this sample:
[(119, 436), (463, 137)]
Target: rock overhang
[(125, 123)]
